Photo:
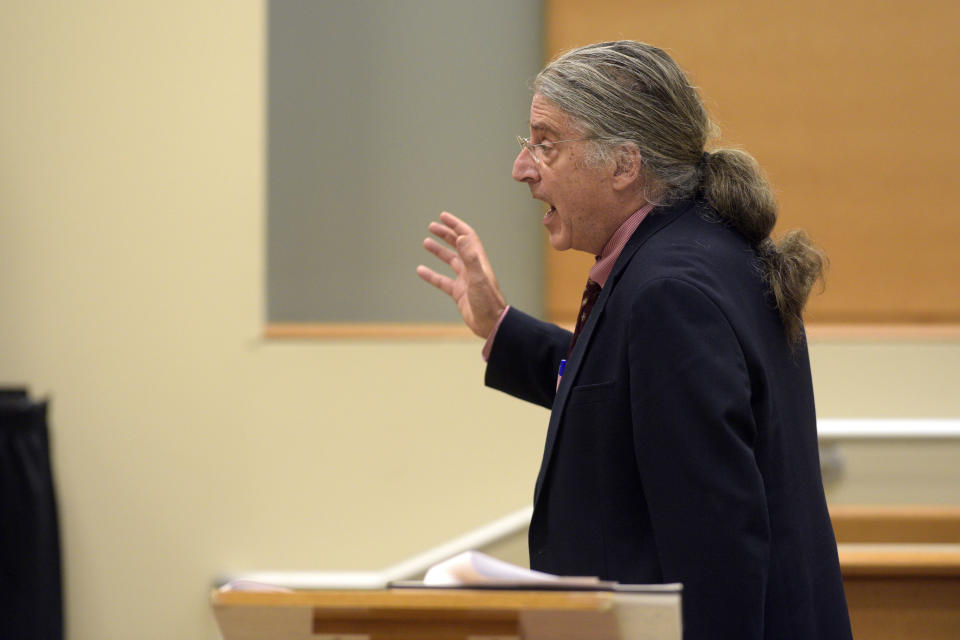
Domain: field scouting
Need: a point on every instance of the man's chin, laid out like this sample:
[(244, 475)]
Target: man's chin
[(558, 242)]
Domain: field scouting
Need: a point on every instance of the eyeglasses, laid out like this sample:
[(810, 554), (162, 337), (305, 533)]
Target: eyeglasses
[(536, 150)]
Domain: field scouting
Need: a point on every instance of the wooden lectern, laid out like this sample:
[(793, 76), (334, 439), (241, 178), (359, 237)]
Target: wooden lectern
[(448, 614)]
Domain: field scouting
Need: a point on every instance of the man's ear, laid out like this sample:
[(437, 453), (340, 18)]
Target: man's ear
[(628, 166)]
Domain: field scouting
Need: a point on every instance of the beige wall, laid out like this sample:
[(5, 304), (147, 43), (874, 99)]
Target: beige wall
[(132, 252), (881, 379)]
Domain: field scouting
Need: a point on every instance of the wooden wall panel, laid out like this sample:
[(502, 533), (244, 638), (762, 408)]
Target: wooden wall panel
[(851, 107)]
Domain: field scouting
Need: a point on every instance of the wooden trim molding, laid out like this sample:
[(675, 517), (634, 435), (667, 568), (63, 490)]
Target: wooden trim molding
[(892, 524), (895, 560), (412, 331), (885, 332), (363, 330)]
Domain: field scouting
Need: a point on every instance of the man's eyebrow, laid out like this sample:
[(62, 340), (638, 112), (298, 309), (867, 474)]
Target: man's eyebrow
[(541, 127)]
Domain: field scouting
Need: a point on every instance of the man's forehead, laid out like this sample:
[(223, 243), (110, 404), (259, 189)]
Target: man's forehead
[(546, 117)]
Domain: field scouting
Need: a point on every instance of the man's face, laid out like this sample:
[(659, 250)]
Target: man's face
[(579, 197)]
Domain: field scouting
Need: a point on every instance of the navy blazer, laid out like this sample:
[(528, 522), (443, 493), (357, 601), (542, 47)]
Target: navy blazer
[(682, 444)]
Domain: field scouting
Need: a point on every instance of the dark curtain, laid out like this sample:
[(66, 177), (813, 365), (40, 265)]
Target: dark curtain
[(31, 600)]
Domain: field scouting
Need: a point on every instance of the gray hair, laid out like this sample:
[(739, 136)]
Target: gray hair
[(630, 93), (633, 93)]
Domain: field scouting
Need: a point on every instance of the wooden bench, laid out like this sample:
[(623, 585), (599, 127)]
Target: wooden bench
[(901, 570)]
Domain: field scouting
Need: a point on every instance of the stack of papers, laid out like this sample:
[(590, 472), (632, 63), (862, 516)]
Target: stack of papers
[(472, 568)]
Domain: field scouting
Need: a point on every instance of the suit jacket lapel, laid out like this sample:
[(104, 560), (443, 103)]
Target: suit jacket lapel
[(657, 220)]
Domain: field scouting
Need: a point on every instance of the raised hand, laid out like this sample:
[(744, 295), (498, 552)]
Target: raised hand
[(475, 288)]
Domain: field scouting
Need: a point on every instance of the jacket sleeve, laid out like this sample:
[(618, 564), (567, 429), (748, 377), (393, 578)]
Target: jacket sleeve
[(525, 356), (694, 436)]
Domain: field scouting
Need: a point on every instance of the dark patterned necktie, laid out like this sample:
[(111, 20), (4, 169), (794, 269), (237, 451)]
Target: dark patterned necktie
[(590, 295)]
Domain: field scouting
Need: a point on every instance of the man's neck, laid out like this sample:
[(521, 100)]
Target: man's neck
[(616, 243), (625, 209)]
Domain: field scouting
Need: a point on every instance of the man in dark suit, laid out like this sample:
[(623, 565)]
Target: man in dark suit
[(682, 441)]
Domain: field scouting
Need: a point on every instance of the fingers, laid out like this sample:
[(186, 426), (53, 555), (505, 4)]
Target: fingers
[(451, 229), (464, 248), (442, 252), (459, 226), (443, 232), (430, 276)]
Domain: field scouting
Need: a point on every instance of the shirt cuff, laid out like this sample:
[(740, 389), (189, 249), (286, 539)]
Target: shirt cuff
[(488, 345)]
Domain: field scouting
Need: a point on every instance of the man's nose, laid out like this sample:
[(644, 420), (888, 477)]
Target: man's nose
[(525, 167)]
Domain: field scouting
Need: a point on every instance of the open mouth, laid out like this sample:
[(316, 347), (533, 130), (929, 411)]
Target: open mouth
[(552, 211)]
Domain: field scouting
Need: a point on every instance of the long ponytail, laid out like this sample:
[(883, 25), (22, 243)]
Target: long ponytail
[(735, 187)]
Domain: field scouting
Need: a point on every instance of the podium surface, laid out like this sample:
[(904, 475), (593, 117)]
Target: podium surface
[(447, 614)]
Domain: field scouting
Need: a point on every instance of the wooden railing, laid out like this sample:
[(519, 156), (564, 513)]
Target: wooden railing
[(901, 570)]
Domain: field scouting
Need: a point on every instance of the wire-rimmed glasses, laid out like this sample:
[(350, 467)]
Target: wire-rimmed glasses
[(536, 150)]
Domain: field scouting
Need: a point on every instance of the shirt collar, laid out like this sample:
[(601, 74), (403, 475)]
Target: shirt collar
[(601, 269)]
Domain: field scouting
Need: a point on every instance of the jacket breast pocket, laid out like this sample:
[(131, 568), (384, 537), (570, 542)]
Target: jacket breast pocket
[(586, 394)]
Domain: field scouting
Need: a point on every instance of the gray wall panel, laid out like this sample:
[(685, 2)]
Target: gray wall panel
[(381, 115)]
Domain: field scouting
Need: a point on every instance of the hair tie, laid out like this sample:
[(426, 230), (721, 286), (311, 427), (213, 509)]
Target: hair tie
[(767, 247), (702, 175), (702, 163)]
